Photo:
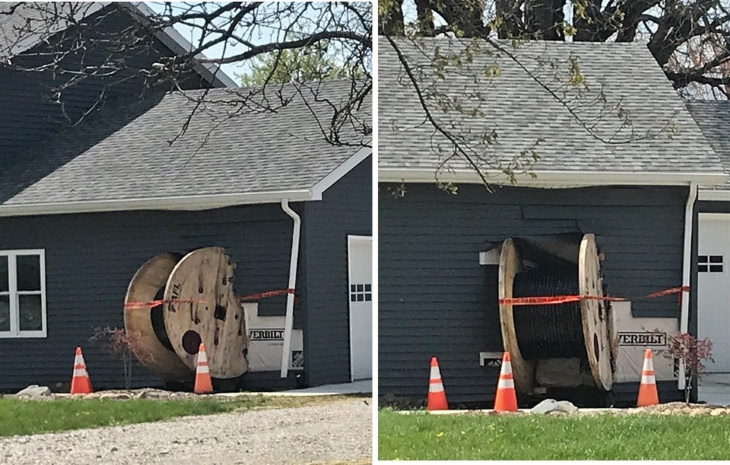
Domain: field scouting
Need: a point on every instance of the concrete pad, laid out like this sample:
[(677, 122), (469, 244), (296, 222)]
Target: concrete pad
[(356, 387), (581, 411), (714, 388)]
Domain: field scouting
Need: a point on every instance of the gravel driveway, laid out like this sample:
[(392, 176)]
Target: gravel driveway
[(331, 432)]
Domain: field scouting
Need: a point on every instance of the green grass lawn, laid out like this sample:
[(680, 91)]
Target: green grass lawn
[(43, 416), (472, 437)]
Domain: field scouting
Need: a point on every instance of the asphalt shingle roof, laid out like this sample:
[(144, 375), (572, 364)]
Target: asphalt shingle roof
[(713, 118), (113, 158), (522, 112)]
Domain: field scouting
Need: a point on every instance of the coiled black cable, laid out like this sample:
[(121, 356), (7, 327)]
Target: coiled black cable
[(548, 331)]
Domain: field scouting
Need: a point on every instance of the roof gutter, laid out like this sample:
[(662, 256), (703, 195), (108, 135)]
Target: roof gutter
[(561, 179), (686, 270), (185, 203), (293, 262)]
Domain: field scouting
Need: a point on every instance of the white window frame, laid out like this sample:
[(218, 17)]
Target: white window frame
[(14, 294)]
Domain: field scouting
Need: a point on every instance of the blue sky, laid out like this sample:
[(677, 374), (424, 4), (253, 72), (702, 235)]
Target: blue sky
[(234, 70)]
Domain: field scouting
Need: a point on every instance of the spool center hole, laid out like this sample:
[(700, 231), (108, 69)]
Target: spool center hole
[(191, 342)]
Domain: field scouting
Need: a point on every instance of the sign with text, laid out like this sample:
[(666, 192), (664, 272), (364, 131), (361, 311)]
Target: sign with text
[(266, 341), (642, 339)]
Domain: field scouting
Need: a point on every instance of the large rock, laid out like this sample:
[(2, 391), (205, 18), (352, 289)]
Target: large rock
[(548, 406), (35, 391)]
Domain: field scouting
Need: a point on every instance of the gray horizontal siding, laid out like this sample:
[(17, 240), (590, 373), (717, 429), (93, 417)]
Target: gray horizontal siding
[(345, 209), (90, 259), (436, 300)]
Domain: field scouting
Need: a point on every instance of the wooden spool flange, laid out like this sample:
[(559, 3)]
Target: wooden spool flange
[(510, 264), (594, 316), (206, 310), (146, 346)]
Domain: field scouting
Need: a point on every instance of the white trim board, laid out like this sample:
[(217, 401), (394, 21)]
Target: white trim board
[(714, 216), (716, 195), (340, 172), (558, 179)]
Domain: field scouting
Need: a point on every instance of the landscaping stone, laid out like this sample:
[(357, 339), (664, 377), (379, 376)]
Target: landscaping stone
[(552, 406), (34, 391)]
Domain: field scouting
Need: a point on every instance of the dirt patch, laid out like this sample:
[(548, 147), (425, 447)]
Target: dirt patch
[(675, 408)]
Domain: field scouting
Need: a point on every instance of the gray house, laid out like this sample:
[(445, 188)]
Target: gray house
[(619, 161), (82, 208)]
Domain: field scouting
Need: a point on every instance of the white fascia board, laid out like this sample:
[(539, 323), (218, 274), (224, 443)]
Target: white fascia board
[(189, 203), (558, 179), (339, 172), (180, 45), (717, 195)]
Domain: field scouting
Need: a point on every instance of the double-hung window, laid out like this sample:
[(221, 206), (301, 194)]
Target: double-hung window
[(22, 293)]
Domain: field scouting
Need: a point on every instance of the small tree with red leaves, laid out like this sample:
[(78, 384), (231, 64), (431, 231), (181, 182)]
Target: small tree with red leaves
[(120, 343), (691, 352)]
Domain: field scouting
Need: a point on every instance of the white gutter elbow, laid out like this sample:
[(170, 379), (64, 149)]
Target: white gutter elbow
[(289, 319)]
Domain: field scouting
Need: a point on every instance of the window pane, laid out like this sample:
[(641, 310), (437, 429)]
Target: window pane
[(29, 273), (4, 313), (4, 274), (30, 313)]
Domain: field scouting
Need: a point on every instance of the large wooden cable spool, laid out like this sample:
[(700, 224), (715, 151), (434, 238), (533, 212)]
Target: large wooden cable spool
[(592, 313), (139, 322), (201, 306)]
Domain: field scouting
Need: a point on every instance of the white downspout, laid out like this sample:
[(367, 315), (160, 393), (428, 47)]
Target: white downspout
[(289, 320), (687, 268)]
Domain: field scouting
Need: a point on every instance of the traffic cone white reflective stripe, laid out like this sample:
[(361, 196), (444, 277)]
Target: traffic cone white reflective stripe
[(435, 384), (505, 377), (506, 383), (647, 374), (203, 363), (79, 366)]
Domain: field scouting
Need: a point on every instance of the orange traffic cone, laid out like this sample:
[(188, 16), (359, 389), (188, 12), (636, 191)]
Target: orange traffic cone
[(647, 390), (80, 382), (506, 398), (203, 383), (436, 395)]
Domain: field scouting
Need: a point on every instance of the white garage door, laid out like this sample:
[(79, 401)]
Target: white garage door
[(360, 253), (714, 288)]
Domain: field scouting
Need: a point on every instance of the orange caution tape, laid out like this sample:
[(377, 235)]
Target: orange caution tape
[(563, 299), (155, 303), (245, 298), (263, 295)]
